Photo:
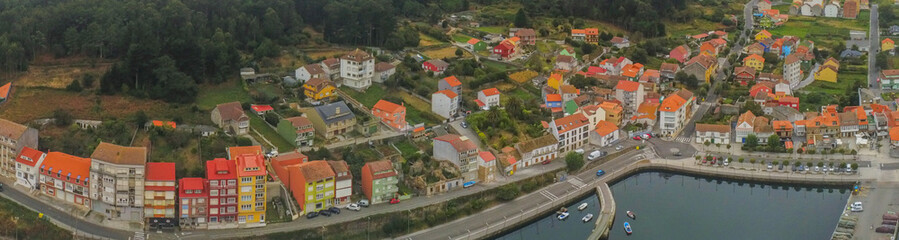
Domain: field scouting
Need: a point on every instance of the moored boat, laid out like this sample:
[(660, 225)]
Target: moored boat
[(588, 217), (632, 215), (627, 228), (563, 216), (582, 206)]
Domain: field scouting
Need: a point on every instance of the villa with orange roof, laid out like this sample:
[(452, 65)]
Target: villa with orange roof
[(632, 71), (117, 171), (754, 61), (159, 190), (450, 83), (894, 137), (251, 178), (4, 92), (614, 111), (578, 34), (488, 98), (615, 65), (674, 112), (604, 134), (571, 131), (680, 53), (476, 45), (764, 34), (445, 103), (67, 178), (391, 114), (783, 128), (647, 113)]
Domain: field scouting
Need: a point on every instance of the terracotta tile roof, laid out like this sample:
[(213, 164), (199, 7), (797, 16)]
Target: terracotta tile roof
[(438, 63), (234, 152), (887, 40), (618, 40), (11, 129), (629, 86), (672, 103), (592, 31), (721, 128), (792, 58), (389, 107), (247, 162), (631, 70), (700, 36), (746, 117), (565, 59), (473, 41), (569, 89), (459, 143), (160, 171), (789, 99), (890, 72), (613, 106), (452, 81), (765, 32), (316, 170), (486, 156), (231, 111), (29, 156), (578, 31), (756, 57), (531, 145), (450, 94), (299, 121), (193, 183), (357, 56), (669, 67), (848, 118), (116, 154), (647, 110), (383, 66), (679, 50), (331, 62), (703, 60), (76, 168), (4, 90), (570, 122), (314, 69), (290, 158), (341, 167), (782, 125), (649, 74), (553, 98), (261, 108), (220, 168), (526, 32), (384, 166), (744, 69), (604, 128), (490, 91)]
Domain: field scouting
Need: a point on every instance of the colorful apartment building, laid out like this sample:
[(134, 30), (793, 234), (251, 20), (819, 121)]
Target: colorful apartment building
[(222, 176), (66, 178), (159, 196), (312, 184), (193, 197), (391, 114), (379, 181), (251, 177), (13, 137), (343, 183)]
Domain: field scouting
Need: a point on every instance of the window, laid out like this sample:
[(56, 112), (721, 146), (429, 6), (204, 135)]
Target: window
[(246, 198), (260, 204), (318, 196), (213, 201), (201, 200), (232, 209), (319, 187), (246, 180), (246, 189), (232, 182), (185, 201), (213, 192), (260, 186), (259, 178), (245, 207), (214, 183), (259, 196)]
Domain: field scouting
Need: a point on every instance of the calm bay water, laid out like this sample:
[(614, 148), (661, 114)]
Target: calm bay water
[(671, 206)]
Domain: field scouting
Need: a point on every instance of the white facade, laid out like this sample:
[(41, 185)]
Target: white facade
[(443, 105), (602, 141), (357, 75), (593, 114), (630, 100), (342, 189), (489, 101), (832, 10), (117, 190), (574, 136), (791, 72), (384, 75), (302, 74), (713, 137), (28, 176), (806, 10), (743, 130)]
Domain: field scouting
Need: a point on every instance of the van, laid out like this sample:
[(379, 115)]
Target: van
[(594, 155)]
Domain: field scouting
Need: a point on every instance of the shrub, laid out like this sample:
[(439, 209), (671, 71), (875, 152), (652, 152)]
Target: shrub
[(508, 192), (574, 161)]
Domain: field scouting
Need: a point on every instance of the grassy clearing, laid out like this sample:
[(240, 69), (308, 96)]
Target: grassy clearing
[(493, 29), (499, 66), (425, 40), (406, 147), (18, 221), (697, 26), (447, 52), (60, 74), (844, 81), (520, 94), (269, 133), (417, 110), (462, 38), (369, 97), (211, 95), (829, 31)]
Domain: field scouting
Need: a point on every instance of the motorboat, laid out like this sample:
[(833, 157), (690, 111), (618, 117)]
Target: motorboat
[(562, 210), (587, 217), (563, 216), (627, 228), (582, 207), (631, 215)]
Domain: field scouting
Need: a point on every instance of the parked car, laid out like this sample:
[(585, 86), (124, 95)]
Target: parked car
[(646, 136), (325, 213), (334, 210), (856, 207), (594, 155), (547, 162), (579, 151), (638, 138), (726, 162), (311, 215), (780, 167), (619, 147), (464, 124), (468, 184), (363, 203), (354, 207), (770, 166), (677, 154), (600, 173), (394, 201), (817, 169)]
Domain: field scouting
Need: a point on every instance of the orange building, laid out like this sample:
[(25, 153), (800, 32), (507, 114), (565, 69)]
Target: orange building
[(392, 114)]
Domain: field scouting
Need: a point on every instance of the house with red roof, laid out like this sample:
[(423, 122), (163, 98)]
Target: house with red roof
[(450, 83), (604, 134), (27, 164), (159, 190), (66, 178), (615, 66), (630, 93), (620, 42), (505, 49), (744, 75), (261, 109), (486, 166), (789, 101), (459, 150), (391, 114), (488, 98), (445, 103), (231, 118), (193, 198), (222, 176), (569, 130), (379, 180), (680, 53), (4, 91), (14, 137), (435, 66)]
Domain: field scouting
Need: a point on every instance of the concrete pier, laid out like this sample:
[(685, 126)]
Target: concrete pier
[(606, 213)]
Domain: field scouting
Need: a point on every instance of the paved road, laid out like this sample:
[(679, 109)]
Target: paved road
[(493, 219), (61, 217), (874, 37), (467, 132), (808, 80)]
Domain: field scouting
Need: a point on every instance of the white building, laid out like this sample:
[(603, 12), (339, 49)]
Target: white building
[(537, 150), (310, 71), (630, 93), (460, 151), (832, 9), (488, 98), (674, 111), (357, 69), (713, 133), (594, 114), (383, 71), (343, 184), (791, 70), (445, 103), (27, 165), (605, 134), (571, 131), (117, 188), (14, 137)]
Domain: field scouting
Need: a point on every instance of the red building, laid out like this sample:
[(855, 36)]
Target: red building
[(789, 101), (159, 195), (193, 198), (505, 49), (435, 65), (66, 178), (222, 176)]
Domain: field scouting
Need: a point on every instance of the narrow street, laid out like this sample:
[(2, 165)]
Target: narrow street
[(874, 37)]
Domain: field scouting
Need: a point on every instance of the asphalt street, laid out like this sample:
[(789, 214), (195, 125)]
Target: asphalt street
[(874, 37)]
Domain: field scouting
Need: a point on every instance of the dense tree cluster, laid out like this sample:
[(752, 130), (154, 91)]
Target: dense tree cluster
[(643, 16)]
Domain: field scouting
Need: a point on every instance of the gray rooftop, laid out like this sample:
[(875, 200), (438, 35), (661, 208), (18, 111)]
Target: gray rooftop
[(335, 112)]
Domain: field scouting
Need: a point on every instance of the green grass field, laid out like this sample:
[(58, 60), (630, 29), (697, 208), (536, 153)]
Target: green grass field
[(406, 147), (269, 133), (824, 30), (462, 38), (844, 81), (520, 94), (499, 66), (369, 97), (493, 29), (212, 95)]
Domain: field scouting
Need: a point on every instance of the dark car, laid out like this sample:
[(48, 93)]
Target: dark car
[(311, 215), (334, 210), (325, 213)]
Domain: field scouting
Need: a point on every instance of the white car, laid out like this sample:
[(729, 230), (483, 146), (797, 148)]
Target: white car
[(579, 151), (354, 207), (856, 207)]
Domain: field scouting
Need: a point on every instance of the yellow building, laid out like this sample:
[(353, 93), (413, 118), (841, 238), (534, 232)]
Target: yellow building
[(887, 44), (826, 73), (764, 34), (251, 177), (754, 61), (316, 178), (319, 89), (554, 81)]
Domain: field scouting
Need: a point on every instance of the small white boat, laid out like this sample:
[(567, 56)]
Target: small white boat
[(588, 217), (631, 215), (563, 216), (582, 206)]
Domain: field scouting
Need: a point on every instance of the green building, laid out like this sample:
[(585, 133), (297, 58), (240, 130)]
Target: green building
[(297, 130)]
